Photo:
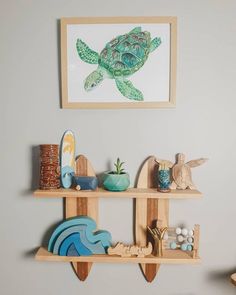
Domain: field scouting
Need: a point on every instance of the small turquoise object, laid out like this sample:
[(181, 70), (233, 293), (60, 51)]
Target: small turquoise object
[(184, 247), (116, 182), (164, 179), (189, 247), (173, 245)]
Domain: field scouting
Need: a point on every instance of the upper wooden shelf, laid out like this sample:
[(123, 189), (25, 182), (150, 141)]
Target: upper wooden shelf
[(130, 193), (169, 257)]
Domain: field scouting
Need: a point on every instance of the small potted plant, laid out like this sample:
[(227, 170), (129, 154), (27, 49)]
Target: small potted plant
[(117, 180)]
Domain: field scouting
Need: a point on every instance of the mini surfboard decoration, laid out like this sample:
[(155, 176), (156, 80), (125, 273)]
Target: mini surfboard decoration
[(78, 237), (67, 158), (148, 211), (82, 206)]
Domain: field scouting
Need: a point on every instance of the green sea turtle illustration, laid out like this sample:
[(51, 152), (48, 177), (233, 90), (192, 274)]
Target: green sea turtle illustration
[(121, 57)]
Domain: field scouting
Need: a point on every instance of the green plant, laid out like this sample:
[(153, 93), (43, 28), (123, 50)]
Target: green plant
[(118, 165)]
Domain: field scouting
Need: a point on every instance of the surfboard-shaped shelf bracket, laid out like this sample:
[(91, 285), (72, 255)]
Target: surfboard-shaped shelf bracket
[(150, 206)]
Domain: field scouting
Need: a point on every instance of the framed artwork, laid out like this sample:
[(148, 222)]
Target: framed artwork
[(118, 62)]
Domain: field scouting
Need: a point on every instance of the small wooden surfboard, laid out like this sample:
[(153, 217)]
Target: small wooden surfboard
[(147, 212), (67, 158), (82, 206)]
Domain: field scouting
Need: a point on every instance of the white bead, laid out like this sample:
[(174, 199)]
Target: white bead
[(190, 240), (180, 239), (178, 230), (165, 236), (184, 247), (78, 187), (189, 248), (184, 231), (173, 245), (190, 233)]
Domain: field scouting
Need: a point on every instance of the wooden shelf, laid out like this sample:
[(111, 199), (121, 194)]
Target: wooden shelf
[(150, 193), (169, 257), (150, 205)]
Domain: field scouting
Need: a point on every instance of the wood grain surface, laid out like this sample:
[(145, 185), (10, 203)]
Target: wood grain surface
[(82, 206), (148, 211)]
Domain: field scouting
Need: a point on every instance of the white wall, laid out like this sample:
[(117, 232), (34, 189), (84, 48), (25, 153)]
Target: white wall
[(201, 125)]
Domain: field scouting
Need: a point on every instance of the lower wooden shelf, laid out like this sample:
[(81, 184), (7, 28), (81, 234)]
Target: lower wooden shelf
[(169, 257)]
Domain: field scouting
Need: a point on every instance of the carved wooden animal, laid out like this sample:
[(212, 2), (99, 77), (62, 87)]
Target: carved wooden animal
[(181, 172), (129, 250)]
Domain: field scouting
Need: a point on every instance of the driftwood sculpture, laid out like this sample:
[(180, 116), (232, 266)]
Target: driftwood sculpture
[(129, 250), (181, 172)]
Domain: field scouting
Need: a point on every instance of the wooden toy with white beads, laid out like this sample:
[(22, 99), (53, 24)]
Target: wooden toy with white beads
[(183, 239)]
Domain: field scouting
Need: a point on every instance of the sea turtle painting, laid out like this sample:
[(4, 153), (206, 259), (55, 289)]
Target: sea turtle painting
[(120, 58)]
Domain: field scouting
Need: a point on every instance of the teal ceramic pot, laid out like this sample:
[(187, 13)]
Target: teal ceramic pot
[(116, 182)]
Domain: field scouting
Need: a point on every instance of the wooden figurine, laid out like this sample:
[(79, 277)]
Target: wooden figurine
[(129, 250), (181, 172), (158, 234), (85, 182)]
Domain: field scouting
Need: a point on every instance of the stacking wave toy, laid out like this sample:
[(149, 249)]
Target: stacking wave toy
[(77, 236)]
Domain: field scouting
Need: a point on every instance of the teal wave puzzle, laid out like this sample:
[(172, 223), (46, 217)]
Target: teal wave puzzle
[(77, 236), (95, 248), (74, 240)]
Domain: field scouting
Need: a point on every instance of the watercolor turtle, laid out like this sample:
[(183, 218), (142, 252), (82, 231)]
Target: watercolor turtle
[(121, 57)]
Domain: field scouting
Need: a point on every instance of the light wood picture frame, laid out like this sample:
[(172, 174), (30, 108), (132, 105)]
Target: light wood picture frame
[(136, 54)]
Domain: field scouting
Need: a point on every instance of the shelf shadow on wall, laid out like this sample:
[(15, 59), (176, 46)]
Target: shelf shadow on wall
[(44, 240), (30, 253), (34, 183), (48, 233), (222, 278), (34, 172)]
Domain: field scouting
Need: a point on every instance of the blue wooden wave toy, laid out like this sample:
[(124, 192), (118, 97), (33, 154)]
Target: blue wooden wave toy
[(77, 236)]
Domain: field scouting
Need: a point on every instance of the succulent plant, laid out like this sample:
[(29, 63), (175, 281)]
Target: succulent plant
[(118, 165), (116, 180)]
